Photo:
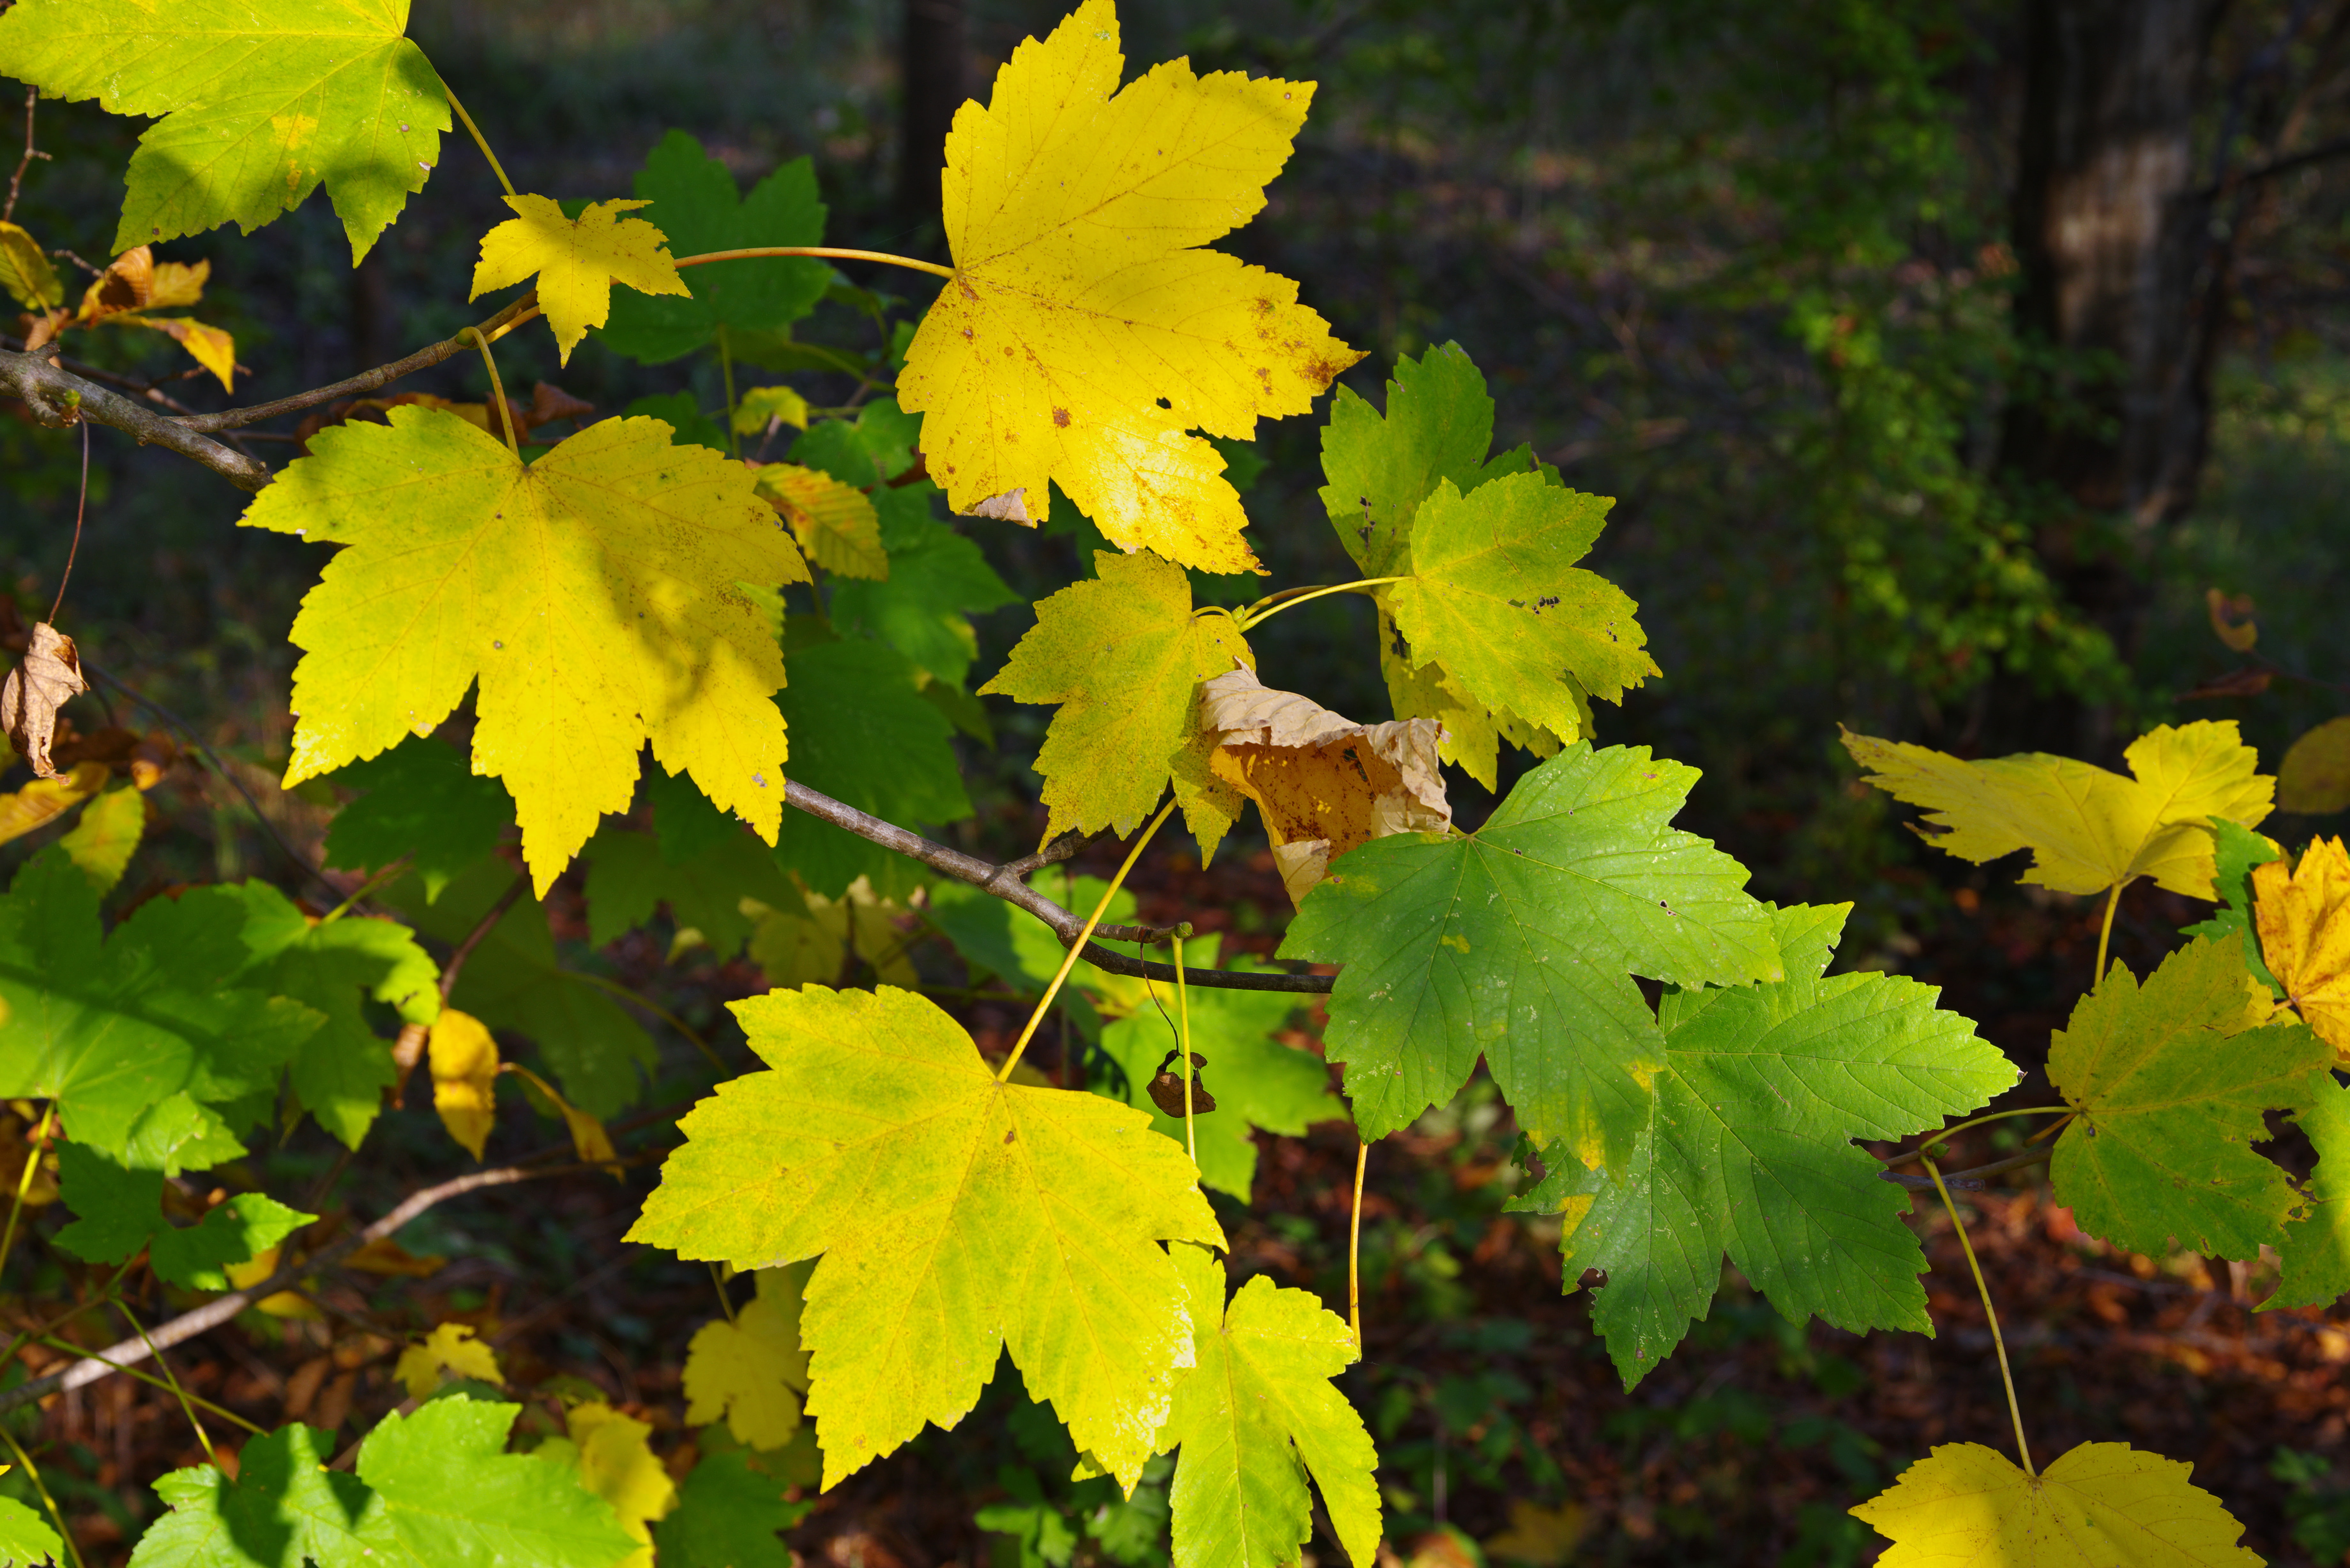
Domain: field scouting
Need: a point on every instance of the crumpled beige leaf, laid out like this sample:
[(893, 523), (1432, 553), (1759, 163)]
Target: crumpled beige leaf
[(50, 673), (2303, 918), (1323, 782)]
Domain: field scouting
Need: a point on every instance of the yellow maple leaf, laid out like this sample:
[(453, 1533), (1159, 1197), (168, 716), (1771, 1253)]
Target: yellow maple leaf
[(577, 260), (2088, 829), (2100, 1506), (464, 1063), (2303, 917), (836, 524), (1083, 334), (752, 1372), (594, 593), (614, 1462), (449, 1349)]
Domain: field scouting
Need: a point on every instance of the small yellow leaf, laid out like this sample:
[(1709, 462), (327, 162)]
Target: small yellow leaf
[(836, 524), (289, 1304), (177, 282), (577, 260), (2231, 618), (588, 1138), (2102, 1505), (752, 1371), (209, 347), (2314, 777), (763, 405), (1084, 336), (450, 1350), (43, 801), (2088, 829), (2303, 917), (26, 271), (616, 1463), (465, 1077), (1324, 784)]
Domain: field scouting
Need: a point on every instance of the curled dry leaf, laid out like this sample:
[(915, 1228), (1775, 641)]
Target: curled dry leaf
[(50, 673), (1324, 784), (1167, 1089)]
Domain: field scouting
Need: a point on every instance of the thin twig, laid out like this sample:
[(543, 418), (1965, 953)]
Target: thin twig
[(16, 181), (81, 505), (1970, 1181), (482, 927)]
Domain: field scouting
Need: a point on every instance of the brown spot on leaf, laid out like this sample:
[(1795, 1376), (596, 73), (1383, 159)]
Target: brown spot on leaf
[(1060, 418)]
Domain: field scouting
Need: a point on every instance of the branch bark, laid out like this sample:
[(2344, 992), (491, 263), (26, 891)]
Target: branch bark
[(57, 398)]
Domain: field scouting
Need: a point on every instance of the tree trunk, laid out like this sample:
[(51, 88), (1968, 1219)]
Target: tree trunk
[(932, 72)]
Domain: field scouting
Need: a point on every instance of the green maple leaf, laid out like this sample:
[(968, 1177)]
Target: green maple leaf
[(2315, 1252), (862, 734), (134, 1033), (1518, 942), (340, 1071), (25, 1538), (594, 1048), (1748, 1151), (422, 804), (592, 592), (2235, 851), (285, 1508), (447, 1495), (630, 873), (1255, 1416), (696, 204), (2168, 1081), (257, 108), (937, 580), (869, 451), (1123, 653), (1257, 1081), (728, 1515), (121, 1211), (957, 1218)]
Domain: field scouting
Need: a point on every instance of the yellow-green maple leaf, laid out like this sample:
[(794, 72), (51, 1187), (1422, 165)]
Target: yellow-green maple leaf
[(1123, 654), (836, 524), (594, 593), (1083, 334), (751, 1372), (2101, 1506), (616, 1462), (956, 1216), (258, 104), (2088, 829), (577, 261)]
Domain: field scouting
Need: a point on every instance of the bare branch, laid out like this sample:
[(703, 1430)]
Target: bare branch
[(59, 398), (1005, 882), (366, 381)]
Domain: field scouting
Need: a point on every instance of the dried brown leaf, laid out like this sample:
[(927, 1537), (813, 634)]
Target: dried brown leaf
[(50, 673)]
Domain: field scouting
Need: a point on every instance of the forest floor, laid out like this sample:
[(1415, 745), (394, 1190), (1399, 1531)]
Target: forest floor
[(1504, 1433)]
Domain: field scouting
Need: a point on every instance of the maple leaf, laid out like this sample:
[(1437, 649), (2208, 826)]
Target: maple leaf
[(1255, 1416), (727, 1516), (1518, 942), (448, 1496), (121, 1210), (956, 1216), (834, 523), (592, 592), (1747, 1150), (937, 580), (2303, 916), (422, 804), (695, 201), (1083, 334), (449, 1351), (338, 1074), (256, 106), (48, 676), (2088, 829), (284, 1508), (463, 1061), (751, 1372), (610, 1451), (2314, 777), (630, 873), (135, 1035), (2314, 1253), (1259, 1081), (2100, 1504), (2168, 1083), (577, 261), (1122, 653)]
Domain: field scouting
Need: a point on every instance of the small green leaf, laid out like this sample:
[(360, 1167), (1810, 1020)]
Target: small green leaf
[(728, 1515), (422, 803), (120, 1210)]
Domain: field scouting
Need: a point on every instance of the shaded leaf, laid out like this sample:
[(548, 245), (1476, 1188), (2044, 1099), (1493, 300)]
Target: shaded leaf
[(2236, 851), (628, 873), (938, 579), (107, 835), (728, 1515), (120, 1212), (284, 1507), (2314, 777), (26, 272)]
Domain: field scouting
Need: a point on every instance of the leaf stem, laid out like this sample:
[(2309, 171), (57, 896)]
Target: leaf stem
[(726, 371), (497, 390), (1355, 1249), (2014, 1411), (1933, 1139), (24, 1181), (479, 140), (1183, 1043), (1070, 959), (42, 1487), (693, 1036), (725, 1302), (1272, 605), (2105, 935), (833, 253)]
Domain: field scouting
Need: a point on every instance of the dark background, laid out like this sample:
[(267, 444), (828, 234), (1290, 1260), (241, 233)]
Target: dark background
[(1940, 357)]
